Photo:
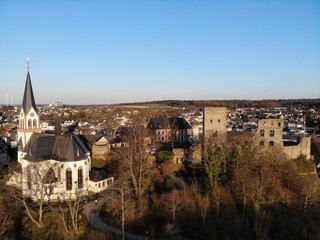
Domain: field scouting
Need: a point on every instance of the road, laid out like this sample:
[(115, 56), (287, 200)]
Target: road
[(92, 212)]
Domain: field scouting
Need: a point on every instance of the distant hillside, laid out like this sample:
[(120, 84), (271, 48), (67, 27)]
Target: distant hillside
[(308, 103)]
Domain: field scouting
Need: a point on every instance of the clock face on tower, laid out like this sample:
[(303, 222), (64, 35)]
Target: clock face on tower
[(31, 114)]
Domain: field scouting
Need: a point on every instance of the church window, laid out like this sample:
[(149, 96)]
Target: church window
[(29, 124), (59, 174), (68, 179), (29, 176), (80, 177), (50, 177), (34, 123)]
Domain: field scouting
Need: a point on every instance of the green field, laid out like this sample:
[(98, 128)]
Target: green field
[(157, 107)]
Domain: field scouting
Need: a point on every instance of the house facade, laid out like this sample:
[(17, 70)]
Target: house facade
[(175, 129)]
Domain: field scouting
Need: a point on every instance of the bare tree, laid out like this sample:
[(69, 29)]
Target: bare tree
[(198, 203), (5, 222), (241, 154), (173, 203), (309, 192), (119, 197), (135, 158), (69, 208), (35, 194)]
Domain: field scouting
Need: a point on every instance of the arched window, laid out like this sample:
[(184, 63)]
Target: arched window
[(29, 124), (35, 123), (29, 176), (59, 174), (68, 179), (80, 177), (50, 177)]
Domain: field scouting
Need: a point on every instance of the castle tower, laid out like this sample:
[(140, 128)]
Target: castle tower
[(215, 122), (29, 118)]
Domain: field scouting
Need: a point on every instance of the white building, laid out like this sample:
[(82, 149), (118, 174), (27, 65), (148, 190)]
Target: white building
[(54, 167)]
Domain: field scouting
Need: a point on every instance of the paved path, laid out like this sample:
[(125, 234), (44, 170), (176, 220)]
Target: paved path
[(92, 212)]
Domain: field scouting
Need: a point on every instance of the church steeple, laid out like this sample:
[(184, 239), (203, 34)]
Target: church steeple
[(28, 99), (29, 121)]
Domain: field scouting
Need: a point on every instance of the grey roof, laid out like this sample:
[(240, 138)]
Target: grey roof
[(179, 123), (159, 123), (28, 98), (156, 123), (65, 148), (97, 175)]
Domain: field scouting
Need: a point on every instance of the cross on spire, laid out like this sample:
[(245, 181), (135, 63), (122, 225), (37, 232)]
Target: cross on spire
[(28, 64)]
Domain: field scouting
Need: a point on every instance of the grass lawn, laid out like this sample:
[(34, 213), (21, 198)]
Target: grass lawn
[(98, 162)]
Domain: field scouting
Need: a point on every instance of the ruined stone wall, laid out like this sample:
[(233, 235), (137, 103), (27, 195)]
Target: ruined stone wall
[(99, 151), (269, 132), (196, 153), (179, 155), (303, 148)]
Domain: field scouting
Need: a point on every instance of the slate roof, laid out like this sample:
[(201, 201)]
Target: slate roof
[(168, 123), (159, 123), (98, 175), (179, 123), (64, 148), (28, 98)]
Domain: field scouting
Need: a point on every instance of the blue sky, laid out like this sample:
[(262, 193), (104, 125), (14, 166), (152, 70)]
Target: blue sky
[(102, 52)]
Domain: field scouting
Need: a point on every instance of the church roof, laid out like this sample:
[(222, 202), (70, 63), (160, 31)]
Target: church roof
[(28, 98), (64, 148)]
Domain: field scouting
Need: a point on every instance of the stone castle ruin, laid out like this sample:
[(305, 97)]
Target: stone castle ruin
[(269, 133)]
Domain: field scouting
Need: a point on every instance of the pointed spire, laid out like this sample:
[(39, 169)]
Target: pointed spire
[(28, 98)]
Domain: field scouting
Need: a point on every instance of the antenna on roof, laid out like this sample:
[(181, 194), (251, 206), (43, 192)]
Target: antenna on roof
[(28, 64)]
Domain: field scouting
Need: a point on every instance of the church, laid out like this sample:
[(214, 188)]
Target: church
[(52, 167)]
